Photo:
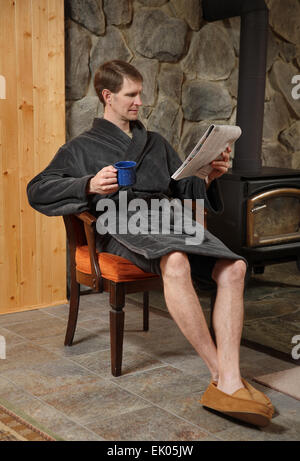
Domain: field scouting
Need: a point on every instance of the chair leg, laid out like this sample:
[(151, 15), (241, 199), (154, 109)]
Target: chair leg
[(73, 312), (212, 305), (146, 310), (117, 302)]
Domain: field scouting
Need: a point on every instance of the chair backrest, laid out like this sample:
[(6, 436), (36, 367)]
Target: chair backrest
[(75, 231), (80, 231)]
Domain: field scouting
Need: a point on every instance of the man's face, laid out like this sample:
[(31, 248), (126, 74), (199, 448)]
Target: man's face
[(126, 103)]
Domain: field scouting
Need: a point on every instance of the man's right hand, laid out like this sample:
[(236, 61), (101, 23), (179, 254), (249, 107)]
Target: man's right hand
[(104, 182)]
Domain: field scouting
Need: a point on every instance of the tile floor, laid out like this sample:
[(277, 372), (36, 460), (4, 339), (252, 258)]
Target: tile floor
[(71, 391)]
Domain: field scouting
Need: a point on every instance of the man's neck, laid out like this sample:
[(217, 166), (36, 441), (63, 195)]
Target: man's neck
[(122, 124)]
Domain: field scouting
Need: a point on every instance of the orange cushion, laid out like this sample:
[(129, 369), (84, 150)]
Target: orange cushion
[(112, 267)]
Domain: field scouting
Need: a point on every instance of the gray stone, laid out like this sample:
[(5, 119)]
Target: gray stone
[(111, 46), (191, 134), (291, 137), (233, 82), (166, 119), (273, 49), (281, 79), (276, 117), (153, 2), (284, 18), (149, 71), (144, 113), (211, 53), (234, 32), (296, 160), (88, 13), (80, 115), (117, 12), (78, 45), (157, 35), (268, 90), (203, 100), (170, 81), (275, 154), (288, 51), (189, 10)]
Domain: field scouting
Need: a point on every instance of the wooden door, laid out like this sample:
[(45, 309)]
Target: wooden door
[(32, 127)]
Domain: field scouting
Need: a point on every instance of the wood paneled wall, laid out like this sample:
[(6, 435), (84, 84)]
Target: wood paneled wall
[(32, 127)]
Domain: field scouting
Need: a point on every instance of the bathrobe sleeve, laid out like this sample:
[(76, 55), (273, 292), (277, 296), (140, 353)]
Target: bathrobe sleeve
[(60, 188)]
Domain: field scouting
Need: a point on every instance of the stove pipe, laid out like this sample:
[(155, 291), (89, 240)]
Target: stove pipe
[(252, 75)]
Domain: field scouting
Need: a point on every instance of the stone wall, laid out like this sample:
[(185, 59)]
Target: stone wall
[(190, 68)]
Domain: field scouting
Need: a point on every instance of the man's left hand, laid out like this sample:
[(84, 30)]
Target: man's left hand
[(220, 165)]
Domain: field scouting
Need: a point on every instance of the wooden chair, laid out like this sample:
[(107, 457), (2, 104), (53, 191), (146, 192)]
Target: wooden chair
[(104, 272)]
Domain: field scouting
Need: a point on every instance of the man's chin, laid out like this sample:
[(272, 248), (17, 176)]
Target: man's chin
[(133, 115)]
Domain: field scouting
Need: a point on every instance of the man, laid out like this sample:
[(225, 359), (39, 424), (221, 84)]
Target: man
[(82, 173)]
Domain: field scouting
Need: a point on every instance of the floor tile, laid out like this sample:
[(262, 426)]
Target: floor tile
[(25, 355), (269, 308), (51, 377), (275, 332), (72, 392), (84, 341), (99, 362), (21, 317), (149, 424), (161, 384), (189, 408), (53, 420), (39, 328), (96, 399), (10, 337)]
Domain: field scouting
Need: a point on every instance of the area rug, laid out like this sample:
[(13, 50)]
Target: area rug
[(16, 428), (287, 381)]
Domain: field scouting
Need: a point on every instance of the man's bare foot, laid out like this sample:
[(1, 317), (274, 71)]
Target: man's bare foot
[(230, 386)]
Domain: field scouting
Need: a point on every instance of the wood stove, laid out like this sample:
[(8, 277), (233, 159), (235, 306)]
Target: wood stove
[(261, 218)]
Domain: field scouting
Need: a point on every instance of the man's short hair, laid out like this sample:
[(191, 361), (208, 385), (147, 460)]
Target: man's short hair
[(111, 75)]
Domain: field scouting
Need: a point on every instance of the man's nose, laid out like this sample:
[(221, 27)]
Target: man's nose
[(138, 100)]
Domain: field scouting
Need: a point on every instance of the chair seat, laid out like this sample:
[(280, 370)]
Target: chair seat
[(113, 267)]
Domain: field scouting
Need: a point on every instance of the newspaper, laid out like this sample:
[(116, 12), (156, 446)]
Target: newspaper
[(214, 141)]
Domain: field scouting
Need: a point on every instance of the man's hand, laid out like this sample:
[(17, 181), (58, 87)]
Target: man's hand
[(104, 182), (220, 165)]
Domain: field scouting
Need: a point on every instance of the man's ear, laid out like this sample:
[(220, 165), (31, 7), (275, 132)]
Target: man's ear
[(106, 96)]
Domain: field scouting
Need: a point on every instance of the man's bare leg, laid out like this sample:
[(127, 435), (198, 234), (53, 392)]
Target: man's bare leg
[(228, 319), (184, 306)]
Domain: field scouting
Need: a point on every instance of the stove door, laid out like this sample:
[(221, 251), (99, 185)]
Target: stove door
[(273, 217)]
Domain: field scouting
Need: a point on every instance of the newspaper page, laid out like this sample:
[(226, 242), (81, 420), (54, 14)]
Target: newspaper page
[(211, 145)]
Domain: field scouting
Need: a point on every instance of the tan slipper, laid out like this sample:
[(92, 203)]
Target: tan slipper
[(258, 395), (239, 405)]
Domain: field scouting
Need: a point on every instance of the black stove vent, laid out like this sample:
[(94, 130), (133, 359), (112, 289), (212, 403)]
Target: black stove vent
[(252, 75)]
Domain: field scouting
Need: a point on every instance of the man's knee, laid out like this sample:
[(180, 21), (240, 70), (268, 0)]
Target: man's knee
[(175, 264), (229, 271)]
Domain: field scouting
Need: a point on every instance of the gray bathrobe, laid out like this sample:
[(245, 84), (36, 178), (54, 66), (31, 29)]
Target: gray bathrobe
[(61, 189)]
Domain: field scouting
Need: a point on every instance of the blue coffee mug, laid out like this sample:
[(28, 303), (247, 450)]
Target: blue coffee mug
[(126, 173)]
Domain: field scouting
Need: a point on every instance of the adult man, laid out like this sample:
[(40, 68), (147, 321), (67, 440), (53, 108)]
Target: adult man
[(82, 173)]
